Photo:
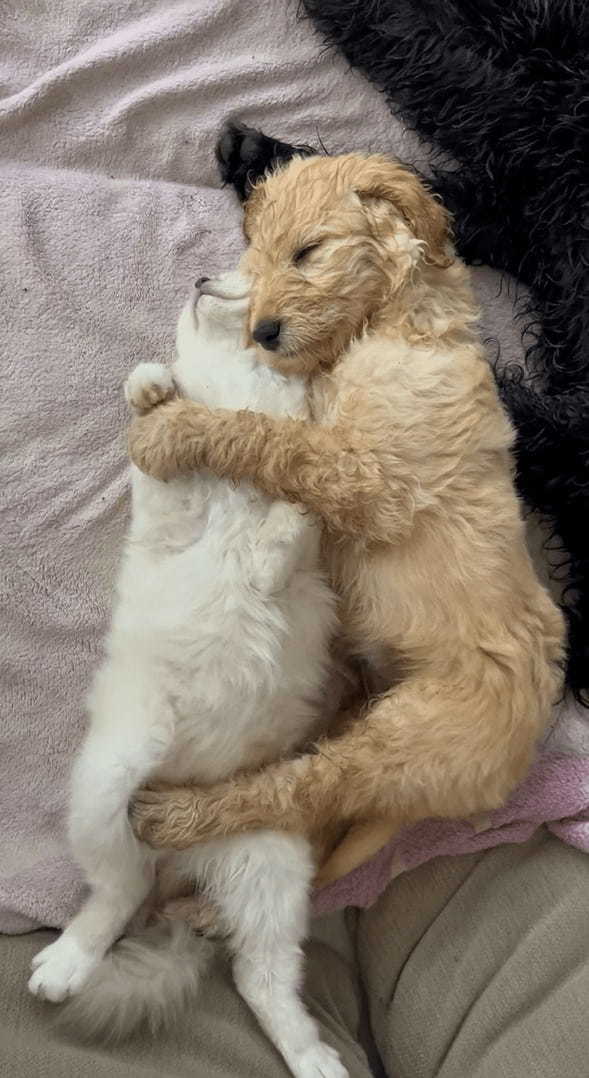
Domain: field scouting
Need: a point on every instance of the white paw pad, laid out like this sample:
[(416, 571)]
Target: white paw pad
[(319, 1061), (149, 384), (60, 970)]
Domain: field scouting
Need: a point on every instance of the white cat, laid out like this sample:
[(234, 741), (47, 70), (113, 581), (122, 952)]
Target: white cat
[(217, 659)]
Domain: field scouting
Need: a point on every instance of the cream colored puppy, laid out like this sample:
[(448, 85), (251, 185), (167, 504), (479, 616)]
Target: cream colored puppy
[(408, 463)]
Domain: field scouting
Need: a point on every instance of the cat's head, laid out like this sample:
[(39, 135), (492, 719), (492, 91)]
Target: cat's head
[(216, 313)]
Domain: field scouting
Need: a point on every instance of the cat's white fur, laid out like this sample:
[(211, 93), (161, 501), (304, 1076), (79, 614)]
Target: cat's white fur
[(217, 659)]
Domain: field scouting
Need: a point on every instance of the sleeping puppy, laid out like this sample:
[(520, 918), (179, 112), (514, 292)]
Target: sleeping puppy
[(408, 463)]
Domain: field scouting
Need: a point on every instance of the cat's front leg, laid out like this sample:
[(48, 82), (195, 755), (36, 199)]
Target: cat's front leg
[(149, 384), (282, 543)]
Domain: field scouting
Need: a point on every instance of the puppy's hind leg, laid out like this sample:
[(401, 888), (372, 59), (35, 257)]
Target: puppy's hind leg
[(117, 757), (261, 885), (362, 842)]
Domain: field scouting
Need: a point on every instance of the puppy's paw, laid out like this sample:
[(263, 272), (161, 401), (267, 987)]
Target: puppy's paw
[(149, 384), (158, 439), (200, 913), (60, 970), (165, 818)]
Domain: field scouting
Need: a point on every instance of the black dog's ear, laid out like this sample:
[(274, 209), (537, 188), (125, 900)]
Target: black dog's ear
[(244, 155)]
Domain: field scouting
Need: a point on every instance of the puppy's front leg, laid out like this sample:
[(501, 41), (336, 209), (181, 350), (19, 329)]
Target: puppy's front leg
[(332, 470)]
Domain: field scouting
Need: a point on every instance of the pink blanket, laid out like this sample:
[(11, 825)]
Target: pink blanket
[(109, 208)]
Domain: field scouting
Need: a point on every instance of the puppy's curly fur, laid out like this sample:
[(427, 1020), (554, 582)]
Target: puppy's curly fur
[(503, 88), (408, 463)]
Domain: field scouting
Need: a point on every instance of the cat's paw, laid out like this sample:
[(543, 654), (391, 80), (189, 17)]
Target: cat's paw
[(278, 548), (284, 524), (60, 970), (149, 384), (318, 1061)]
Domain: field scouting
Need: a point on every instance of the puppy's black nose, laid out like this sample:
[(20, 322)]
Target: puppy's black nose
[(267, 333), (201, 281)]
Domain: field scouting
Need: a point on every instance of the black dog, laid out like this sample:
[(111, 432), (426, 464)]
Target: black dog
[(503, 89), (244, 155)]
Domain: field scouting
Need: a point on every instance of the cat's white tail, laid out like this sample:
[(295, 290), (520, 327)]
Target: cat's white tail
[(146, 980)]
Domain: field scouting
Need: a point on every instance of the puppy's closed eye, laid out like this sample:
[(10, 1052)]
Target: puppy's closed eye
[(301, 254)]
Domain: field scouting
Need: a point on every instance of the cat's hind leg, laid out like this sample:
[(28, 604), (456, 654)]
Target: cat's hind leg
[(130, 736), (261, 884)]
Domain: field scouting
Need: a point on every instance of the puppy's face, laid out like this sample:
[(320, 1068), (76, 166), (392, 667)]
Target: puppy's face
[(331, 239)]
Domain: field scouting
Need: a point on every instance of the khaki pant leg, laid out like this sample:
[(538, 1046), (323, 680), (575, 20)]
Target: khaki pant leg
[(478, 966)]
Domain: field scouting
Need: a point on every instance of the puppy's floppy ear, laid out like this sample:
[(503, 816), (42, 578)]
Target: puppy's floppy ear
[(252, 207), (378, 177)]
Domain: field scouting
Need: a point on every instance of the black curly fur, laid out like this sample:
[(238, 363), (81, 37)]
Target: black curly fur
[(244, 154), (501, 89)]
